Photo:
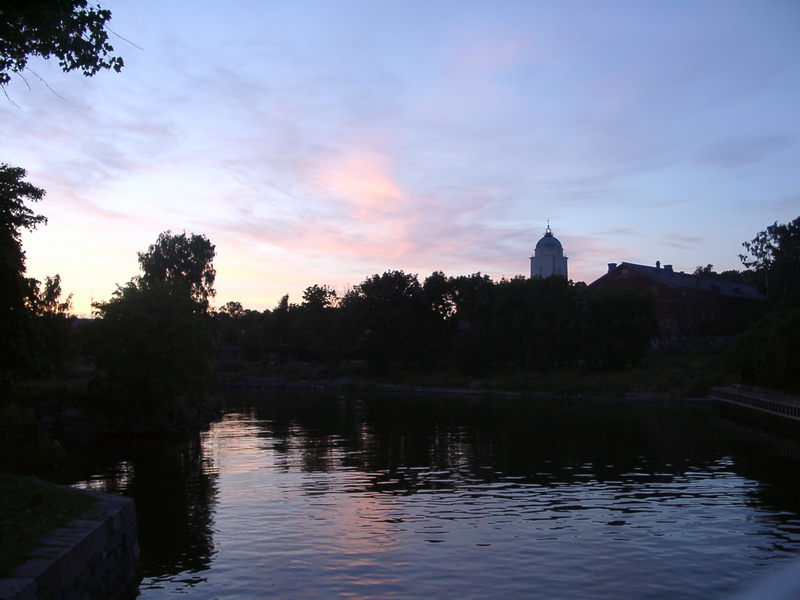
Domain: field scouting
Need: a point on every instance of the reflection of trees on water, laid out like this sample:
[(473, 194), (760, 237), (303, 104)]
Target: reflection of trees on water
[(177, 493), (403, 445), (770, 458), (174, 485), (416, 443), (312, 432)]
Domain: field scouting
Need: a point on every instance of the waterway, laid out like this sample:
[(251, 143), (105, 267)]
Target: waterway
[(385, 496)]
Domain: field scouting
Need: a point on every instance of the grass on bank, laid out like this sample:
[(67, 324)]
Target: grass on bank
[(678, 374), (30, 508)]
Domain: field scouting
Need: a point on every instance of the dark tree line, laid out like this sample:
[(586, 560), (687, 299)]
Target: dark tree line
[(469, 323), (153, 340), (475, 325)]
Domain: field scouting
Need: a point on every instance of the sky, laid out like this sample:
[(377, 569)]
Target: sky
[(324, 142)]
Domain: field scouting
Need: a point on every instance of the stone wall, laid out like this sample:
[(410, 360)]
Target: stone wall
[(96, 556)]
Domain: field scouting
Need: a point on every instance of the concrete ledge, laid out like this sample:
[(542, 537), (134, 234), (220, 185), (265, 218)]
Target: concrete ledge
[(774, 404), (95, 556)]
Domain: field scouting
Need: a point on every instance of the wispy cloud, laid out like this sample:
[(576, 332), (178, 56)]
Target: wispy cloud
[(744, 150), (324, 145), (683, 242)]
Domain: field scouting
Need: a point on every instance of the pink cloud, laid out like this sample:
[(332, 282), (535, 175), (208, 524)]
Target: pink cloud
[(379, 212), (363, 180)]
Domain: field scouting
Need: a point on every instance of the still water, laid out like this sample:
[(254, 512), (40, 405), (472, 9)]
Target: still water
[(309, 496)]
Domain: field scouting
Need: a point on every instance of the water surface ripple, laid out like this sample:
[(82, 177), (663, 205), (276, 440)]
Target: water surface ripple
[(390, 497)]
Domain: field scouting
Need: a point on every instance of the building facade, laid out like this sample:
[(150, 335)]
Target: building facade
[(686, 305), (548, 257)]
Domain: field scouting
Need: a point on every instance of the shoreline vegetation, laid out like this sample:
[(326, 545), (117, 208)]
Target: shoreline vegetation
[(677, 374), (151, 360), (44, 413), (157, 358), (47, 416), (61, 405), (54, 410), (60, 409)]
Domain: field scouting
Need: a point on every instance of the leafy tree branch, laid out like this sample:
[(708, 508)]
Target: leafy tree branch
[(71, 31)]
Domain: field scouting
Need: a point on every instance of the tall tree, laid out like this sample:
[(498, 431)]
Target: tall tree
[(52, 324), (317, 297), (775, 254), (474, 298), (184, 261), (392, 315), (16, 290), (311, 326), (153, 348), (70, 31), (154, 337)]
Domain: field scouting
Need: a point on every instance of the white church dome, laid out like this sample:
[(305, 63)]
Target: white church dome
[(548, 257), (549, 241)]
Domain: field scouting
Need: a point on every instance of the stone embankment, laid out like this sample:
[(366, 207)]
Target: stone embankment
[(93, 557)]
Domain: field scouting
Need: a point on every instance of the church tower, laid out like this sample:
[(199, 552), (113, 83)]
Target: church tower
[(548, 257)]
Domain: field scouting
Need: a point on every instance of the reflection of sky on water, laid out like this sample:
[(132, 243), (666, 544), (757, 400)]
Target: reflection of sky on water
[(394, 497)]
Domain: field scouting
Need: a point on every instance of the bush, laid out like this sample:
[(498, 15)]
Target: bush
[(768, 353)]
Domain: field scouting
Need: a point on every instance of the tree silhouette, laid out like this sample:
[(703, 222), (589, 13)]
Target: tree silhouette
[(393, 317), (154, 337), (775, 254), (768, 352), (63, 29), (16, 291), (182, 261)]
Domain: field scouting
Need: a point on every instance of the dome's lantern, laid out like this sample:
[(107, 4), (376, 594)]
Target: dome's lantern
[(549, 240), (548, 257)]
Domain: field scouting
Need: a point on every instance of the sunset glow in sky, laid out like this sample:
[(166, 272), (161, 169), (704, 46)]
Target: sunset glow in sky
[(322, 142)]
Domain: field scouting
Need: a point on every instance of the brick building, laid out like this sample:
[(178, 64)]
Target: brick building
[(686, 305)]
